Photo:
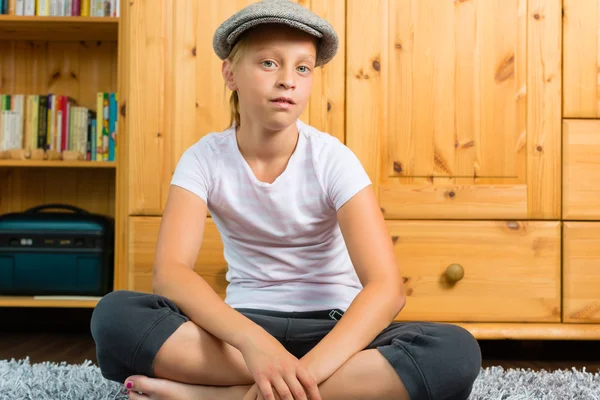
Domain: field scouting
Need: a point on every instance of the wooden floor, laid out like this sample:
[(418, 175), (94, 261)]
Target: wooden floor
[(58, 335)]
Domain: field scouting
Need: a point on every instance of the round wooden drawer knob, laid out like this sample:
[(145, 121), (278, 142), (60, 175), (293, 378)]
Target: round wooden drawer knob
[(454, 272)]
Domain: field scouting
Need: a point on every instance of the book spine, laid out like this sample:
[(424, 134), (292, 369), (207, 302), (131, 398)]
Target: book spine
[(65, 123), (20, 7), (94, 140), (43, 123), (19, 109), (76, 8), (29, 8), (83, 131), (12, 7), (85, 8), (112, 126), (90, 147), (105, 126), (99, 114), (50, 123), (35, 121), (27, 144)]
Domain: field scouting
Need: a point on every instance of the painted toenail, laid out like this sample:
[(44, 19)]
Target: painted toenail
[(129, 385)]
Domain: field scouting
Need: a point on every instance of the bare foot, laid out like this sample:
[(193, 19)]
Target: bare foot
[(164, 389)]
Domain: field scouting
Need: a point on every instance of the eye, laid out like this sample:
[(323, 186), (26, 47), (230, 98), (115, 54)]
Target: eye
[(267, 61), (306, 69)]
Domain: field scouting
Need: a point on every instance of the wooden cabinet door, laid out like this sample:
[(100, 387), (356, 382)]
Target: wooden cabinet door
[(454, 107), (479, 271), (581, 170), (581, 25), (210, 264), (177, 93), (581, 272)]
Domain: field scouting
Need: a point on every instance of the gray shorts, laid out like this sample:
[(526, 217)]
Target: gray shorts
[(434, 360)]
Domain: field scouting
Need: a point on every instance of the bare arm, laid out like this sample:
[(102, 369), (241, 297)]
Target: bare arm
[(382, 298), (179, 241)]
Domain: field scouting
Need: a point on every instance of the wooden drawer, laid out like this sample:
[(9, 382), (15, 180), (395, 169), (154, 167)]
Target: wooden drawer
[(581, 272), (210, 264), (581, 169), (511, 270)]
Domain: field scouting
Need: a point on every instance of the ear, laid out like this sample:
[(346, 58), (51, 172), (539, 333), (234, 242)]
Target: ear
[(227, 73)]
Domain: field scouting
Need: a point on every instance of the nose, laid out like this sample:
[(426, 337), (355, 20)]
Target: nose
[(287, 78)]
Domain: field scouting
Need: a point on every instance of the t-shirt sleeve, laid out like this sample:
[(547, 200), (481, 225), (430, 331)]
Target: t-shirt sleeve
[(342, 174), (193, 170)]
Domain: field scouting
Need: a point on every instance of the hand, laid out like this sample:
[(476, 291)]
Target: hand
[(273, 367)]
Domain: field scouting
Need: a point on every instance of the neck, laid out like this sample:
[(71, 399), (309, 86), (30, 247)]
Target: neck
[(256, 142)]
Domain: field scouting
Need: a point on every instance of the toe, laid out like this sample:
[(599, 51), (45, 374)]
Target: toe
[(139, 383), (136, 396)]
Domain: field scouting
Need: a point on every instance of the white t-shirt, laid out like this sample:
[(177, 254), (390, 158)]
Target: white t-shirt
[(282, 242)]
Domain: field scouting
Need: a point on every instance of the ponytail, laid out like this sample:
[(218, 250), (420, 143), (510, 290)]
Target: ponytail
[(234, 101), (234, 107)]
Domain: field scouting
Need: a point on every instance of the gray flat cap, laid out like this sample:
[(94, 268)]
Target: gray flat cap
[(276, 11)]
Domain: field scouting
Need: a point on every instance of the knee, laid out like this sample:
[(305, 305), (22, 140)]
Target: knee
[(107, 314), (108, 327), (463, 355)]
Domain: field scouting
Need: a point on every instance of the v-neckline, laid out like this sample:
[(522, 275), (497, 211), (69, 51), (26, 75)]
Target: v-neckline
[(281, 177)]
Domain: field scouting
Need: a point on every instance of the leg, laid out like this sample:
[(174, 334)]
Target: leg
[(347, 383), (434, 360), (146, 334)]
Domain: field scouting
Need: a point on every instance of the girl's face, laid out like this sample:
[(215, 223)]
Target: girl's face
[(279, 62)]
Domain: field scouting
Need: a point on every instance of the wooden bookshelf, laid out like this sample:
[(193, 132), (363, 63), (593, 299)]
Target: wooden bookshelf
[(31, 301), (14, 27), (57, 164), (72, 56)]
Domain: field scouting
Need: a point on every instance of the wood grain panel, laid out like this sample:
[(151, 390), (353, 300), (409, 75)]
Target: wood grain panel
[(367, 96), (465, 100), (581, 169), (146, 41), (327, 106), (544, 121), (581, 58), (78, 69), (482, 48), (91, 189), (18, 27), (511, 270), (581, 272), (211, 264)]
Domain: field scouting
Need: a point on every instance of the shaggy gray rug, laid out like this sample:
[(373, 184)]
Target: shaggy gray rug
[(21, 380)]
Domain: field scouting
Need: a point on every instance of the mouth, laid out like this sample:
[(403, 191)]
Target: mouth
[(283, 100)]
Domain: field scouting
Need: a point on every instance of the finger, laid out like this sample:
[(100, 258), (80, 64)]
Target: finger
[(265, 389), (283, 390), (309, 383), (296, 388)]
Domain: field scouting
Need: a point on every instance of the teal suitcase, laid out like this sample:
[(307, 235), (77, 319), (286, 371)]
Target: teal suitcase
[(56, 253)]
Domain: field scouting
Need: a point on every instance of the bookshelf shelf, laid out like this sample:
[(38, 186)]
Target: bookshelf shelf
[(57, 164), (58, 28), (31, 301)]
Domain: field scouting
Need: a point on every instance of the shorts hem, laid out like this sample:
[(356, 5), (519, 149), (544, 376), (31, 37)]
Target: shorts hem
[(155, 337), (411, 375)]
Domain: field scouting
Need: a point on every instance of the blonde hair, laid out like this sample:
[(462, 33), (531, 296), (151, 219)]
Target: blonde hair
[(235, 56)]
